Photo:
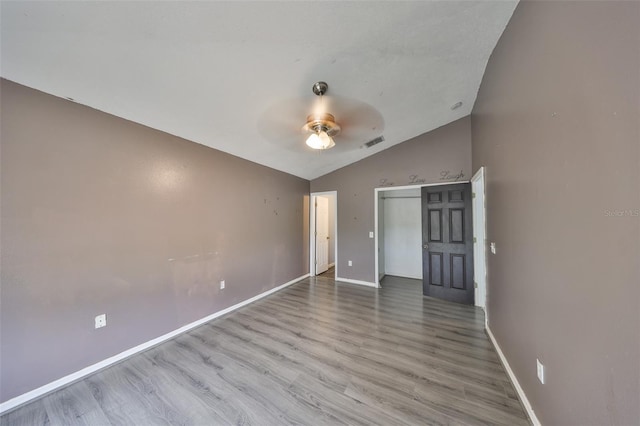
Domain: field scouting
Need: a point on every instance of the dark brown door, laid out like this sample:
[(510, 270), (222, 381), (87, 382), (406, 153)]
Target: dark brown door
[(447, 243)]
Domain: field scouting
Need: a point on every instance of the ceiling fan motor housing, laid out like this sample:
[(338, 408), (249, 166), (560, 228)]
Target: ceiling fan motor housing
[(323, 122)]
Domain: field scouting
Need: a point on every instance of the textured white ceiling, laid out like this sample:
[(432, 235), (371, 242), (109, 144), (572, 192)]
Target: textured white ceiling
[(217, 73)]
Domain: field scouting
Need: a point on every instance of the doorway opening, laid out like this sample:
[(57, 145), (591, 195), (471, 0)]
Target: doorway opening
[(398, 232), (323, 233)]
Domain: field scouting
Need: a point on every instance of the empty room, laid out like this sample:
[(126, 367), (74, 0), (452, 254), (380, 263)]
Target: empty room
[(320, 213)]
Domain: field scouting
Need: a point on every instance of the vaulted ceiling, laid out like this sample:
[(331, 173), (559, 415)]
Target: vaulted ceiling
[(237, 76)]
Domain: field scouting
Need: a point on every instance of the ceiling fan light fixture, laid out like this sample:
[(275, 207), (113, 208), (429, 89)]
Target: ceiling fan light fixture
[(322, 128), (320, 140)]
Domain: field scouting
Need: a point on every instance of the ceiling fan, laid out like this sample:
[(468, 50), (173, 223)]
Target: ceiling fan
[(320, 123), (322, 126)]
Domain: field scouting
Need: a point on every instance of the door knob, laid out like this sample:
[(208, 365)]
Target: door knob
[(426, 246)]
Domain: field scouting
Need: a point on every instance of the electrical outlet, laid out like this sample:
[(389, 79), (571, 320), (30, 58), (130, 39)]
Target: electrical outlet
[(222, 284), (101, 321), (540, 370), (350, 263), (493, 248)]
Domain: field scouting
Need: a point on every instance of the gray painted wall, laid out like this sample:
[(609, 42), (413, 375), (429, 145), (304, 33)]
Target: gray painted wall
[(556, 124), (435, 157), (101, 215)]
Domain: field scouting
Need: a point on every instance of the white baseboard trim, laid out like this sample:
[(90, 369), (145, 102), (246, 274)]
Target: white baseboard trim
[(367, 283), (514, 380), (56, 384)]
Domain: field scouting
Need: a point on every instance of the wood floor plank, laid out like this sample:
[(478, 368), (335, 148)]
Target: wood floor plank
[(319, 352), (402, 406), (225, 387), (120, 402), (336, 404), (31, 414), (74, 405)]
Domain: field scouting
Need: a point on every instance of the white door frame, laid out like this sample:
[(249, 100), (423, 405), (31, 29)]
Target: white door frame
[(378, 226), (323, 239), (312, 229), (480, 247)]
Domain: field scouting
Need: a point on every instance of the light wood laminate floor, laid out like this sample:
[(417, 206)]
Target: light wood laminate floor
[(315, 353)]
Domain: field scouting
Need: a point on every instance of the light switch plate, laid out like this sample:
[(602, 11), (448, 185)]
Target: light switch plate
[(493, 248), (371, 234)]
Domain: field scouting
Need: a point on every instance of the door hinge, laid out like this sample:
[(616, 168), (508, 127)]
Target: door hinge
[(474, 240), (473, 195), (475, 284)]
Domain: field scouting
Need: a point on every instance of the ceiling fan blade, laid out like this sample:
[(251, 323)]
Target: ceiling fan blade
[(360, 122), (281, 123)]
